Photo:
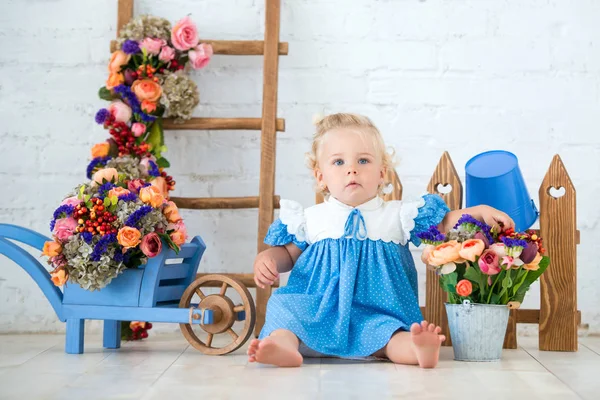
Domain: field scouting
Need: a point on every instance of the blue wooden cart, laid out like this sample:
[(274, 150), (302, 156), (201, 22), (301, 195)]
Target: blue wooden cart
[(163, 290)]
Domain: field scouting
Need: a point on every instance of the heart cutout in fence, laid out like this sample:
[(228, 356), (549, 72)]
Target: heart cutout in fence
[(556, 192), (444, 189)]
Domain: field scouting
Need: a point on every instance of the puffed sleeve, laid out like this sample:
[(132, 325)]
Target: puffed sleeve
[(417, 216), (290, 227)]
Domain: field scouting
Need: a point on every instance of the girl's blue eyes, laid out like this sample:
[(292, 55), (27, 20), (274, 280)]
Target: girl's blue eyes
[(339, 162)]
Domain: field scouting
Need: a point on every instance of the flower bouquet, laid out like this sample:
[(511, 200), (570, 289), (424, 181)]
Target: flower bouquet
[(484, 273), (107, 227)]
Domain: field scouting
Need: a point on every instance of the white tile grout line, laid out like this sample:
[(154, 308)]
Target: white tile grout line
[(166, 369), (552, 373), (581, 343)]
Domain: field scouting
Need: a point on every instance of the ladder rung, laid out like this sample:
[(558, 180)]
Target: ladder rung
[(246, 279), (221, 124), (213, 203), (234, 47)]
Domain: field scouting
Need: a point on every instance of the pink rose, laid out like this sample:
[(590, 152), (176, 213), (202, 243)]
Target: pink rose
[(72, 201), (488, 263), (59, 261), (499, 249), (166, 54), (64, 228), (120, 110), (179, 236), (138, 129), (184, 34), (200, 56), (135, 185), (152, 46), (151, 245)]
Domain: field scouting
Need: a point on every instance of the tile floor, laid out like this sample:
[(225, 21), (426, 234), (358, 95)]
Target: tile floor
[(166, 366)]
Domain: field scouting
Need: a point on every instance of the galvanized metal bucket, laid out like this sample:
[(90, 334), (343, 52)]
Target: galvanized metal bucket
[(477, 330)]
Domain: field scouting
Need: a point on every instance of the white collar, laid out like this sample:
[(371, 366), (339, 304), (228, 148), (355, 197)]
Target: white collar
[(370, 205)]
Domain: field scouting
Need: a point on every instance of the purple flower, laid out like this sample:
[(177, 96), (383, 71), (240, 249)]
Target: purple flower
[(132, 100), (102, 190), (473, 223), (61, 212), (508, 242), (94, 163), (128, 197), (102, 246), (153, 169), (87, 236), (131, 47), (137, 215), (101, 115), (432, 235), (528, 254)]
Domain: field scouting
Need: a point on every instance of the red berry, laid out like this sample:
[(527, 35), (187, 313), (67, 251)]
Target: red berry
[(148, 326), (144, 334)]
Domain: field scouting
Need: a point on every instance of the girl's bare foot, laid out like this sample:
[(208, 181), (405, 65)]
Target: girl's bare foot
[(270, 351), (427, 341)]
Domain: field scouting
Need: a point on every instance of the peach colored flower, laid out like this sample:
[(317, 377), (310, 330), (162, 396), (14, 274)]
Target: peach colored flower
[(117, 60), (110, 174), (146, 89), (100, 149), (59, 276), (444, 253), (117, 191), (161, 184), (200, 56), (151, 245), (179, 235), (114, 79), (128, 237), (178, 238), (171, 211), (121, 111), (464, 287), (52, 249), (151, 195), (535, 264), (426, 252), (152, 46), (137, 325), (184, 34), (148, 107), (471, 249)]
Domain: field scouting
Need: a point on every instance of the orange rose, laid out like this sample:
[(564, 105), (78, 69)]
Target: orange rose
[(110, 174), (161, 184), (137, 325), (472, 248), (59, 277), (171, 212), (118, 191), (426, 252), (151, 195), (146, 89), (114, 79), (100, 149), (129, 237), (148, 107), (444, 253), (535, 264), (52, 249), (178, 237), (117, 60), (464, 288)]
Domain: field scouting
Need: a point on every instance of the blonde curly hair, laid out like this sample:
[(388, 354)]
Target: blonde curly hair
[(364, 126)]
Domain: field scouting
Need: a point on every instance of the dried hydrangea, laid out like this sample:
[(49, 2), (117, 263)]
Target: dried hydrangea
[(459, 235), (180, 96), (145, 26), (129, 166)]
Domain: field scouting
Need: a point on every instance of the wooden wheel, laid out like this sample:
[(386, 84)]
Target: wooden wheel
[(224, 313)]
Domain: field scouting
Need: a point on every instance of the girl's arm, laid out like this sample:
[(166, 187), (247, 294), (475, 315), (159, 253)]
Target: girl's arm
[(487, 214), (273, 261)]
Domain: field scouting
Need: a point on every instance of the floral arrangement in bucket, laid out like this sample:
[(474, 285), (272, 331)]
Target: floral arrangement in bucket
[(484, 266)]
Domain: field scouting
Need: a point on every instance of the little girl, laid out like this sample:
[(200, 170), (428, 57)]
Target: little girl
[(352, 292)]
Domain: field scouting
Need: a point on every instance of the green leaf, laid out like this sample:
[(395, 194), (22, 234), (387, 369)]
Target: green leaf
[(106, 202), (163, 163), (86, 198), (106, 94), (81, 190), (114, 200), (156, 138)]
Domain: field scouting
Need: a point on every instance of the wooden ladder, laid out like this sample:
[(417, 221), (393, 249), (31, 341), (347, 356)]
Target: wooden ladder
[(268, 124)]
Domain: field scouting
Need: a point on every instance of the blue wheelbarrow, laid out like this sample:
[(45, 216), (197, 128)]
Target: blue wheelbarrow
[(159, 291)]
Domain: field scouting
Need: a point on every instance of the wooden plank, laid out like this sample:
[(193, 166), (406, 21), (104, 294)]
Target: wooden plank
[(558, 223), (124, 15), (268, 136), (231, 47), (216, 203), (444, 174), (246, 279), (510, 339), (250, 124)]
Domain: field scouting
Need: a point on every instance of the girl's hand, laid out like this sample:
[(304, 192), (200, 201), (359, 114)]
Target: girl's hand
[(497, 219), (265, 270)]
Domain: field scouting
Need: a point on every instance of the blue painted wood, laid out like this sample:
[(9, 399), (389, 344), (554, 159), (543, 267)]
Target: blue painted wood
[(172, 314), (151, 281), (112, 334), (175, 271), (23, 235), (37, 272), (74, 339), (169, 293), (124, 290), (186, 251)]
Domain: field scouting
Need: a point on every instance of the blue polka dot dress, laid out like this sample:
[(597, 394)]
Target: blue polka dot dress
[(355, 283)]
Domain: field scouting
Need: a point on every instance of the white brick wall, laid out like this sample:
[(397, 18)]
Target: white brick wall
[(457, 75)]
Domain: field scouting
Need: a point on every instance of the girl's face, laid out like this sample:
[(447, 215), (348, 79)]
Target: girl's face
[(349, 166)]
